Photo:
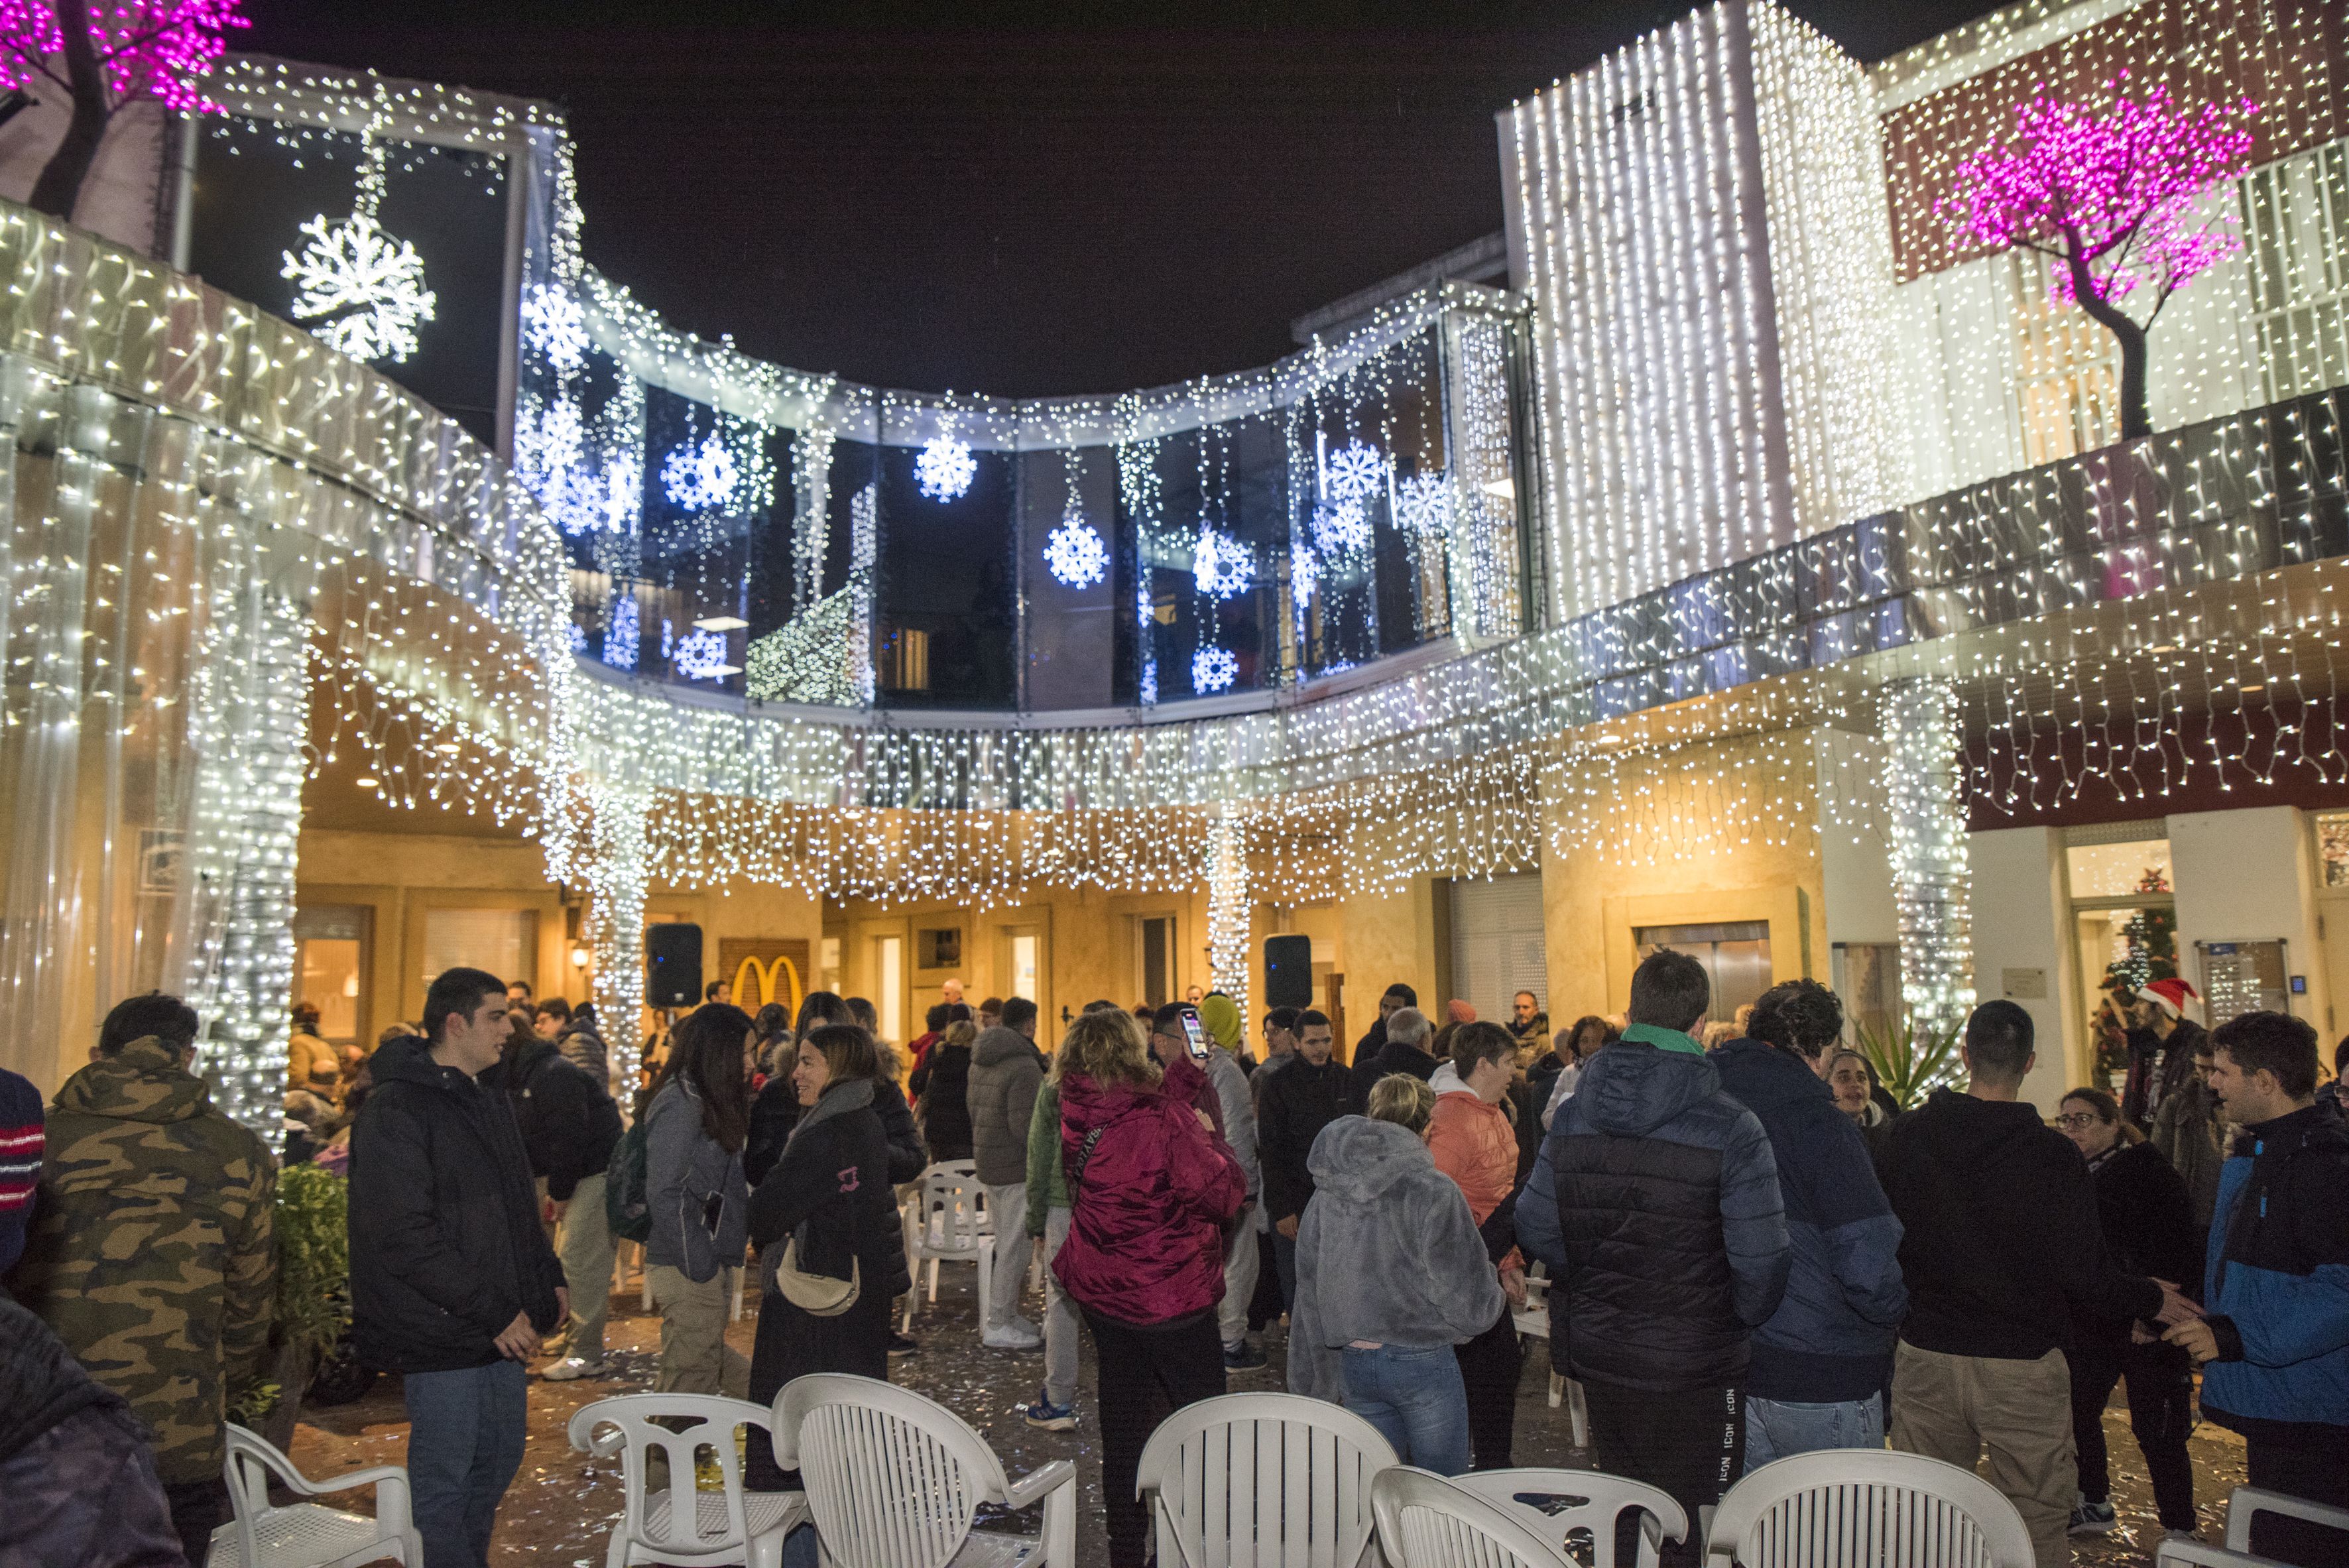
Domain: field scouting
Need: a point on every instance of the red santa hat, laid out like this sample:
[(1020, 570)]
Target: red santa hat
[(2171, 995)]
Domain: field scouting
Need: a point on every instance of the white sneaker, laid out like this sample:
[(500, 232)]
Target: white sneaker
[(1018, 1335), (571, 1369)]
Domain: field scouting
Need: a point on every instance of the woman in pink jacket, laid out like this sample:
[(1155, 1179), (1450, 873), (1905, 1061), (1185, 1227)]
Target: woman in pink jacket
[(1151, 1186)]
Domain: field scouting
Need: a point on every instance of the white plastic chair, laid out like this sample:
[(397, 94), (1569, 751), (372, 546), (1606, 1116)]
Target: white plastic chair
[(2244, 1502), (1274, 1481), (1867, 1508), (946, 1222), (1534, 1318), (729, 1526), (1427, 1522), (307, 1534), (1555, 1503), (894, 1480)]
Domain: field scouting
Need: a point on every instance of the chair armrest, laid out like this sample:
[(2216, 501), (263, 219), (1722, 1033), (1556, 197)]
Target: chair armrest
[(2246, 1501), (2202, 1554), (1031, 1488), (375, 1475), (1168, 1532)]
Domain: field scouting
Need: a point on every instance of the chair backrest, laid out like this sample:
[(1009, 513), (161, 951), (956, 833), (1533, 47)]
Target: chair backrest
[(947, 1210), (694, 1422), (1263, 1480), (1427, 1522), (250, 1459), (1558, 1505), (1845, 1508), (893, 1479)]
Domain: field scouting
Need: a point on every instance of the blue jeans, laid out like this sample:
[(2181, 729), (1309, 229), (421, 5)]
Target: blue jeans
[(1779, 1429), (465, 1432), (1412, 1394)]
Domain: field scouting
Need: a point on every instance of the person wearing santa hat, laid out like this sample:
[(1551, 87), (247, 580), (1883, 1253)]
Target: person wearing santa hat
[(2161, 1049)]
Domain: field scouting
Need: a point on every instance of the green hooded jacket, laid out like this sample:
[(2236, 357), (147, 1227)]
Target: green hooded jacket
[(151, 1252)]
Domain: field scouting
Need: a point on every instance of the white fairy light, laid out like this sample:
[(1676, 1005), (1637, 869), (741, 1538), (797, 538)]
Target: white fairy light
[(1423, 505), (1213, 669), (944, 467), (1341, 526), (554, 323), (701, 477), (621, 631), (359, 290), (1220, 564), (1355, 472), (1074, 553)]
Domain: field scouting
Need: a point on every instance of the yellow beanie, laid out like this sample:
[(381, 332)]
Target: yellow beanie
[(1221, 1015)]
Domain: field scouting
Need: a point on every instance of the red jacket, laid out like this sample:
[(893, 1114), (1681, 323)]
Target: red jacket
[(1145, 1223)]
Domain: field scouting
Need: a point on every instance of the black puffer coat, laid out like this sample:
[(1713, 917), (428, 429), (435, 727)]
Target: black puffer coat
[(446, 1244), (2147, 1219), (942, 1088), (569, 1124)]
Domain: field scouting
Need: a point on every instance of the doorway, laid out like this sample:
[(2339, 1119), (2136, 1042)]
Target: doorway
[(330, 968), (1154, 965), (1735, 955), (889, 985)]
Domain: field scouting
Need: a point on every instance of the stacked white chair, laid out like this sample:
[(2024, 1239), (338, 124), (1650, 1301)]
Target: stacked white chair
[(1270, 1480), (307, 1534), (2242, 1504), (1557, 1503), (895, 1480), (1427, 1522), (946, 1222), (1865, 1508), (730, 1525)]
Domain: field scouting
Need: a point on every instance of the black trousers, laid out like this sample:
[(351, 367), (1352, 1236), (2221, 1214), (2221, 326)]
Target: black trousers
[(198, 1507), (1146, 1375), (1688, 1442), (1489, 1366), (2161, 1413), (1268, 1302), (2311, 1461)]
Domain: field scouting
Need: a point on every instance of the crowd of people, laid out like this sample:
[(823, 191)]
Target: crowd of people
[(1749, 1250)]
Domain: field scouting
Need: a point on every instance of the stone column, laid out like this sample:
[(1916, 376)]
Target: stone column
[(1925, 822)]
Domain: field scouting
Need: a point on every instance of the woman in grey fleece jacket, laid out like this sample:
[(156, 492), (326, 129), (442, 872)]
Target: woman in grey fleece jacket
[(697, 1200), (1391, 1274)]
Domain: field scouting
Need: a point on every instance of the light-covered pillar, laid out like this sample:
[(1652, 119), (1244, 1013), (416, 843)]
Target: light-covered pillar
[(1229, 905), (1925, 820), (615, 923)]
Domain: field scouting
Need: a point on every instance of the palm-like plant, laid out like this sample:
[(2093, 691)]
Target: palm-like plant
[(1910, 1060)]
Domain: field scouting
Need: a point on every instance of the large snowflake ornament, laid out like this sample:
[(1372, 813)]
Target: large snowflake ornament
[(1213, 669), (1304, 570), (1074, 553), (359, 290), (701, 656), (1219, 564), (1423, 505), (1341, 526), (556, 325), (1355, 471), (944, 467), (702, 478)]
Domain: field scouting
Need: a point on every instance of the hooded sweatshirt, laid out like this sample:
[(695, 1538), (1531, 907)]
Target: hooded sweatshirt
[(1655, 1205), (1388, 1252), (1005, 1074), (150, 1254)]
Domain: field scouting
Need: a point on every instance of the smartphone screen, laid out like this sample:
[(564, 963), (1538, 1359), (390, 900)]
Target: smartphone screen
[(1196, 1034)]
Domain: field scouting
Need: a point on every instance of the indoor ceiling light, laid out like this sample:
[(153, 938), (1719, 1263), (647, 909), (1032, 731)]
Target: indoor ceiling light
[(722, 624)]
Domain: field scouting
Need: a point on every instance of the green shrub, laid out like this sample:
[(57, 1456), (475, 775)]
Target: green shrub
[(1911, 1061)]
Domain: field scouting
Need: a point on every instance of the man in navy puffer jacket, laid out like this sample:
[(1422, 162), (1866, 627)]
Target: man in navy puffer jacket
[(1655, 1205), (1826, 1354)]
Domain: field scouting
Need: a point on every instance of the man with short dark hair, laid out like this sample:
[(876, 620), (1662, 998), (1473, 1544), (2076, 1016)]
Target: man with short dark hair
[(518, 994), (990, 1014), (1655, 1203), (453, 1280), (2000, 1243), (2275, 1346), (1280, 1049), (150, 1252), (1403, 1049), (718, 993), (1005, 1074), (1374, 1038), (1823, 1357), (2161, 1049), (1296, 1103), (2190, 1131)]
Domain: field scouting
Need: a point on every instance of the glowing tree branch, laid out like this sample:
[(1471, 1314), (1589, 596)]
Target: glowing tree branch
[(102, 58), (2110, 194)]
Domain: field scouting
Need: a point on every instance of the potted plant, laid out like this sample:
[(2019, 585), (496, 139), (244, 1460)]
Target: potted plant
[(313, 1311)]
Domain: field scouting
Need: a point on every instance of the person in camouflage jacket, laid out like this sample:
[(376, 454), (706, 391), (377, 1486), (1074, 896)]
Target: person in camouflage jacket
[(151, 1252)]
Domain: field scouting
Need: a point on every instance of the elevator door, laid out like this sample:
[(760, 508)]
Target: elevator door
[(1736, 956)]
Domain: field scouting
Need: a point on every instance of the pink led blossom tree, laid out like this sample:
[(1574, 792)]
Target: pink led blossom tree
[(2108, 193), (102, 57)]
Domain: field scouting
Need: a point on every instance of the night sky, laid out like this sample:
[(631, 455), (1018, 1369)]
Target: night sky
[(1018, 200)]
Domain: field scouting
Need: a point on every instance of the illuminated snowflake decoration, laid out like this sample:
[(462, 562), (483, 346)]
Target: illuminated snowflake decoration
[(701, 656), (1074, 553), (359, 290), (1423, 505), (1355, 471), (944, 467), (1304, 570), (1345, 525), (554, 324), (702, 478), (621, 629), (1213, 669), (1219, 564)]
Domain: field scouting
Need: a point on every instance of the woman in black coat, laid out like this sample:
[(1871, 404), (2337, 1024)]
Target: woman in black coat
[(829, 1193), (942, 1090), (2148, 1227)]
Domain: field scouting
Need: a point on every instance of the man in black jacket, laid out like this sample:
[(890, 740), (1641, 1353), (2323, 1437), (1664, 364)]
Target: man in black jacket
[(2001, 1243), (1404, 1050), (1374, 1038), (1292, 1107), (569, 1128), (453, 1280)]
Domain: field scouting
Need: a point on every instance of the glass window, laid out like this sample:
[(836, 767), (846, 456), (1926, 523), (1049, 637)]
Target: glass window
[(2118, 871), (1075, 577), (498, 940), (2332, 847), (947, 610)]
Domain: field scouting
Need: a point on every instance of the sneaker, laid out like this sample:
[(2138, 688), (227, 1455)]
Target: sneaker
[(904, 1345), (1045, 1415), (571, 1369), (1011, 1338), (2181, 1536), (2092, 1517), (1242, 1358)]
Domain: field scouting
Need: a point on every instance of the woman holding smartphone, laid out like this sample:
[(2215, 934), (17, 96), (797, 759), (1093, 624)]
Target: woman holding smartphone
[(699, 1204)]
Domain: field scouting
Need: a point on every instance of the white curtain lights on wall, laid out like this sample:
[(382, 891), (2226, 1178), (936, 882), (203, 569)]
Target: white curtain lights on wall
[(1925, 829), (1229, 906)]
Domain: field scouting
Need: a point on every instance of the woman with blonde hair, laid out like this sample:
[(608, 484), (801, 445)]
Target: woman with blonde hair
[(1151, 1186)]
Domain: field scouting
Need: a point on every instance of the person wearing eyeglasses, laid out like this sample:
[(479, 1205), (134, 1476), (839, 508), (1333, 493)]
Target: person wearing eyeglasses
[(2147, 1220)]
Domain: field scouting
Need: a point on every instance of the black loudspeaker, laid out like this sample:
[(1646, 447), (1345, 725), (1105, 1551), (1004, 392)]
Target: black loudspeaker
[(673, 964), (1289, 972)]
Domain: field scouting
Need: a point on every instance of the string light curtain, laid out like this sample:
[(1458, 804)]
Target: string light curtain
[(1925, 822)]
